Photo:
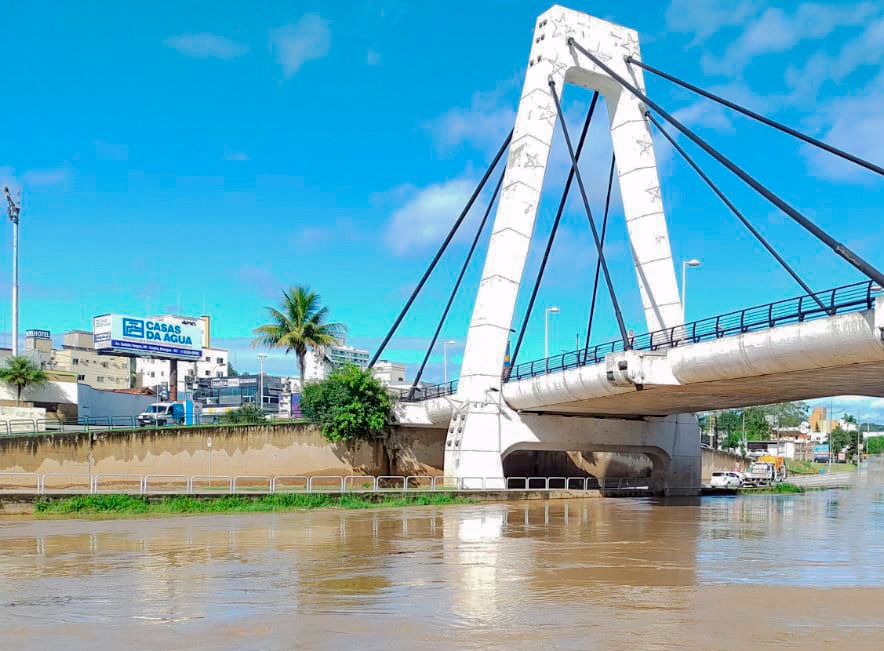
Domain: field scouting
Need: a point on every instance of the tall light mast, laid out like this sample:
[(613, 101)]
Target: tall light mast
[(14, 210)]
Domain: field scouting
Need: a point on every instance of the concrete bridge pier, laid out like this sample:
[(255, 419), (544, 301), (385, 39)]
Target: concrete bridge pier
[(482, 435)]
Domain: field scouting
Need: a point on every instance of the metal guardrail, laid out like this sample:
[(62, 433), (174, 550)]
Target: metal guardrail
[(65, 483), (427, 393), (840, 300), (50, 426)]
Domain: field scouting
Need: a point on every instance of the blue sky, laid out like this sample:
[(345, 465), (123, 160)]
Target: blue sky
[(200, 156)]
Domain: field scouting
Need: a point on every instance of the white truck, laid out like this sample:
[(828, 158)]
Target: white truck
[(162, 414), (765, 472)]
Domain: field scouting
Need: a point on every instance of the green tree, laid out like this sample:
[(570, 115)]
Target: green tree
[(298, 324), (247, 414), (875, 445), (231, 371), (22, 373), (350, 405), (839, 439)]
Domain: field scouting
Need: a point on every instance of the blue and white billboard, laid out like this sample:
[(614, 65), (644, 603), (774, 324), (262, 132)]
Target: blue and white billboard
[(166, 337)]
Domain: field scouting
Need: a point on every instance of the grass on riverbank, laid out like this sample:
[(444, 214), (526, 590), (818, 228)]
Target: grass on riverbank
[(781, 488), (134, 505), (810, 468)]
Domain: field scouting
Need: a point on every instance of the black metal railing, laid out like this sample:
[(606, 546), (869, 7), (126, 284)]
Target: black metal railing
[(427, 392), (848, 298)]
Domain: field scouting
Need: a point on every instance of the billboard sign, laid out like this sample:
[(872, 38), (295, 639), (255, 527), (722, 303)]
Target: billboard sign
[(164, 337), (37, 334), (821, 450)]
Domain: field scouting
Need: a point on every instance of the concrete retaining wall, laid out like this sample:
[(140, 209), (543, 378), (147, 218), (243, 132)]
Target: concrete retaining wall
[(717, 461), (282, 449)]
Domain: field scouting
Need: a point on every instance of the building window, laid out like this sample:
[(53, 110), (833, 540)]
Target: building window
[(100, 379), (104, 365), (208, 373), (75, 361), (220, 360), (153, 374), (80, 378)]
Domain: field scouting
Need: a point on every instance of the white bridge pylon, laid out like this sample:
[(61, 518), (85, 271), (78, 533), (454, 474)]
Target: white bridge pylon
[(483, 429), (552, 59)]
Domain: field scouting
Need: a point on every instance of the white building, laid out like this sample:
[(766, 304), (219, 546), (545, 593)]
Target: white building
[(389, 373), (155, 372), (318, 364)]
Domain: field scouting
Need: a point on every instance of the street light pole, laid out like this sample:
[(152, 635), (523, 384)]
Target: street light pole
[(261, 357), (693, 262), (445, 345), (546, 313), (14, 210)]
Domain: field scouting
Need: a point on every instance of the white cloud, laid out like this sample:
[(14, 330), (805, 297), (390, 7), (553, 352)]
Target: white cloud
[(295, 44), (373, 58), (427, 215), (704, 18), (865, 49), (483, 125), (704, 113), (777, 31), (853, 123), (206, 46)]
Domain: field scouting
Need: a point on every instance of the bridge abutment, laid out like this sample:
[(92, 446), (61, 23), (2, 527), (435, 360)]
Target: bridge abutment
[(482, 435)]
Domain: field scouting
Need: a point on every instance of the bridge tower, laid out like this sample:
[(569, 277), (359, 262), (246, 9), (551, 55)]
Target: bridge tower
[(483, 428)]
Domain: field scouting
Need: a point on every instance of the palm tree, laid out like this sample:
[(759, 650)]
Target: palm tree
[(298, 324), (22, 373)]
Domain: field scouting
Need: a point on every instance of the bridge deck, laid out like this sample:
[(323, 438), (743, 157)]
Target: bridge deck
[(856, 379), (789, 350)]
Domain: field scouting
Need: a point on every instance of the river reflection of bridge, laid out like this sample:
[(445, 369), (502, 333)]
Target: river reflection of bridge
[(627, 573)]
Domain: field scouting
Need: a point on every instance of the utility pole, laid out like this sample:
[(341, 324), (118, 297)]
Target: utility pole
[(14, 210), (261, 357)]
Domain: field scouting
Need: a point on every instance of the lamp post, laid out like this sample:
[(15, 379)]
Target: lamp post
[(445, 345), (14, 210), (546, 313), (859, 433), (261, 357), (693, 262)]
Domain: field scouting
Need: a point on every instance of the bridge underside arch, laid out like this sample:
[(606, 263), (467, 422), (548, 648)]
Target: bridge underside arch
[(580, 463)]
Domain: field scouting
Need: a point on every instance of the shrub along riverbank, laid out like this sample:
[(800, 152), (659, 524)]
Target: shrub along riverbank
[(134, 505), (779, 488)]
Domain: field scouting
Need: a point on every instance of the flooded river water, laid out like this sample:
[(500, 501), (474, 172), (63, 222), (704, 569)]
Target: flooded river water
[(760, 572)]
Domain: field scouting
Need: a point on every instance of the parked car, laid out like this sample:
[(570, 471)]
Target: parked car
[(726, 480)]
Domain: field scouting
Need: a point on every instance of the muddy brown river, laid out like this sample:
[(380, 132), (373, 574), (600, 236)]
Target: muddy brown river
[(761, 572)]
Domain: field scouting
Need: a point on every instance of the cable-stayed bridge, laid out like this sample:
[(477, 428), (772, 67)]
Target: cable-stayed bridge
[(637, 393)]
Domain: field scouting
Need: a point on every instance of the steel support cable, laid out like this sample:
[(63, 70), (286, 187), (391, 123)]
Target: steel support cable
[(735, 210), (463, 270), (757, 116), (552, 234), (595, 234), (839, 248), (441, 250), (598, 264)]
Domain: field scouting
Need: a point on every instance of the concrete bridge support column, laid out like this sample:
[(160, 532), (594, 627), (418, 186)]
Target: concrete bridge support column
[(671, 442)]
